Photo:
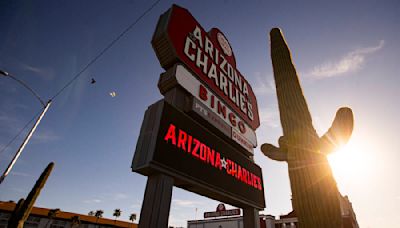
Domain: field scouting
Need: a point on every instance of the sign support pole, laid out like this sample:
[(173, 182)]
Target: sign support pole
[(156, 202), (251, 218), (158, 194)]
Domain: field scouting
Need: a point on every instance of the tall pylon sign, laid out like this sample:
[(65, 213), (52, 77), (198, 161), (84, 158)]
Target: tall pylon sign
[(201, 136)]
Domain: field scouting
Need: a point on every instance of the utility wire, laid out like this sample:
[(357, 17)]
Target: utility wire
[(105, 49), (112, 43), (19, 133)]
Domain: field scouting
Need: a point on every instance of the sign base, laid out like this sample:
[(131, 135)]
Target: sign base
[(251, 218), (156, 202)]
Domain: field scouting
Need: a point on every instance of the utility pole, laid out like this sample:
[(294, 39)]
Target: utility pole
[(28, 137)]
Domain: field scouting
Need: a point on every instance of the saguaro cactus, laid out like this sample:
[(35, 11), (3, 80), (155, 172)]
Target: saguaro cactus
[(315, 196), (24, 207)]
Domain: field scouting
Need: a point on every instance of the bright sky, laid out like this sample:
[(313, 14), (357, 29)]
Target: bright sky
[(345, 52)]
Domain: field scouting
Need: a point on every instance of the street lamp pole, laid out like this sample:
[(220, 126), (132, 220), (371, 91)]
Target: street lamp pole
[(28, 137)]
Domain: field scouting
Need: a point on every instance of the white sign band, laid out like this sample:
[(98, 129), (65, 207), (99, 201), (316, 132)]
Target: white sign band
[(244, 135)]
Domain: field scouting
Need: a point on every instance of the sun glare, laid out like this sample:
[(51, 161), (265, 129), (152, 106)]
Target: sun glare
[(349, 161)]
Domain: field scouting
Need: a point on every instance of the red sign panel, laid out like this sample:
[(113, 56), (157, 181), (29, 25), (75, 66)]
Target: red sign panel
[(222, 213), (180, 38)]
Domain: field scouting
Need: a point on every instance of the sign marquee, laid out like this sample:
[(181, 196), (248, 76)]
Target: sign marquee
[(172, 143), (221, 211), (217, 111), (180, 38)]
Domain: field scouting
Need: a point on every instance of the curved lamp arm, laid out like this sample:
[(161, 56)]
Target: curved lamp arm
[(4, 73)]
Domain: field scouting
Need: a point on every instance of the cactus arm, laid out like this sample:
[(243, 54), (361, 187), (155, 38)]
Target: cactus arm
[(340, 131), (273, 152), (24, 207)]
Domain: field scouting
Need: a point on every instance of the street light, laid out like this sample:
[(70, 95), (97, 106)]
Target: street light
[(27, 138), (4, 73)]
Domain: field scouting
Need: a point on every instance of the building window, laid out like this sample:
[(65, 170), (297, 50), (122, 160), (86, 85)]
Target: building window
[(4, 220), (58, 224), (32, 222)]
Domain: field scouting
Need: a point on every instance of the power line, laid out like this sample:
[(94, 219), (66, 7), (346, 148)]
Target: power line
[(105, 49), (24, 143), (80, 72), (19, 133)]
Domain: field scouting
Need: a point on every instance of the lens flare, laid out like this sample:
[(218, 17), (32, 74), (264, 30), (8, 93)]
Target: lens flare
[(350, 161)]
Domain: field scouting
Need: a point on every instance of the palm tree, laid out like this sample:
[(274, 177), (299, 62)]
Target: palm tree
[(91, 213), (98, 214), (51, 215), (75, 221), (132, 217), (117, 213)]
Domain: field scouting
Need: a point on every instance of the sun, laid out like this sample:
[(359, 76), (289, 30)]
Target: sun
[(349, 161)]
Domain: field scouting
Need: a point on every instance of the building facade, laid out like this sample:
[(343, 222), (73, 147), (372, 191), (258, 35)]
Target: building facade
[(268, 221), (39, 218)]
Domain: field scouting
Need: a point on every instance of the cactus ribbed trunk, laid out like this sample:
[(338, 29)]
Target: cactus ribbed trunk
[(315, 196), (24, 207)]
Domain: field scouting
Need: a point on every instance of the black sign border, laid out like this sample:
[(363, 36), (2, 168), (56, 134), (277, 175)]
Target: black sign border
[(145, 164)]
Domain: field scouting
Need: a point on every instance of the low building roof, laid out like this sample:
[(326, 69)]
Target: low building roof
[(43, 212)]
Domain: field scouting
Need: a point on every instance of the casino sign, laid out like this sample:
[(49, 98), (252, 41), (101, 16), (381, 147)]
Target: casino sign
[(222, 211), (179, 38), (201, 136)]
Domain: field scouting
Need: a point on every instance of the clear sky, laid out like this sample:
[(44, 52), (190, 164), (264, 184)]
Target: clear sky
[(346, 53)]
